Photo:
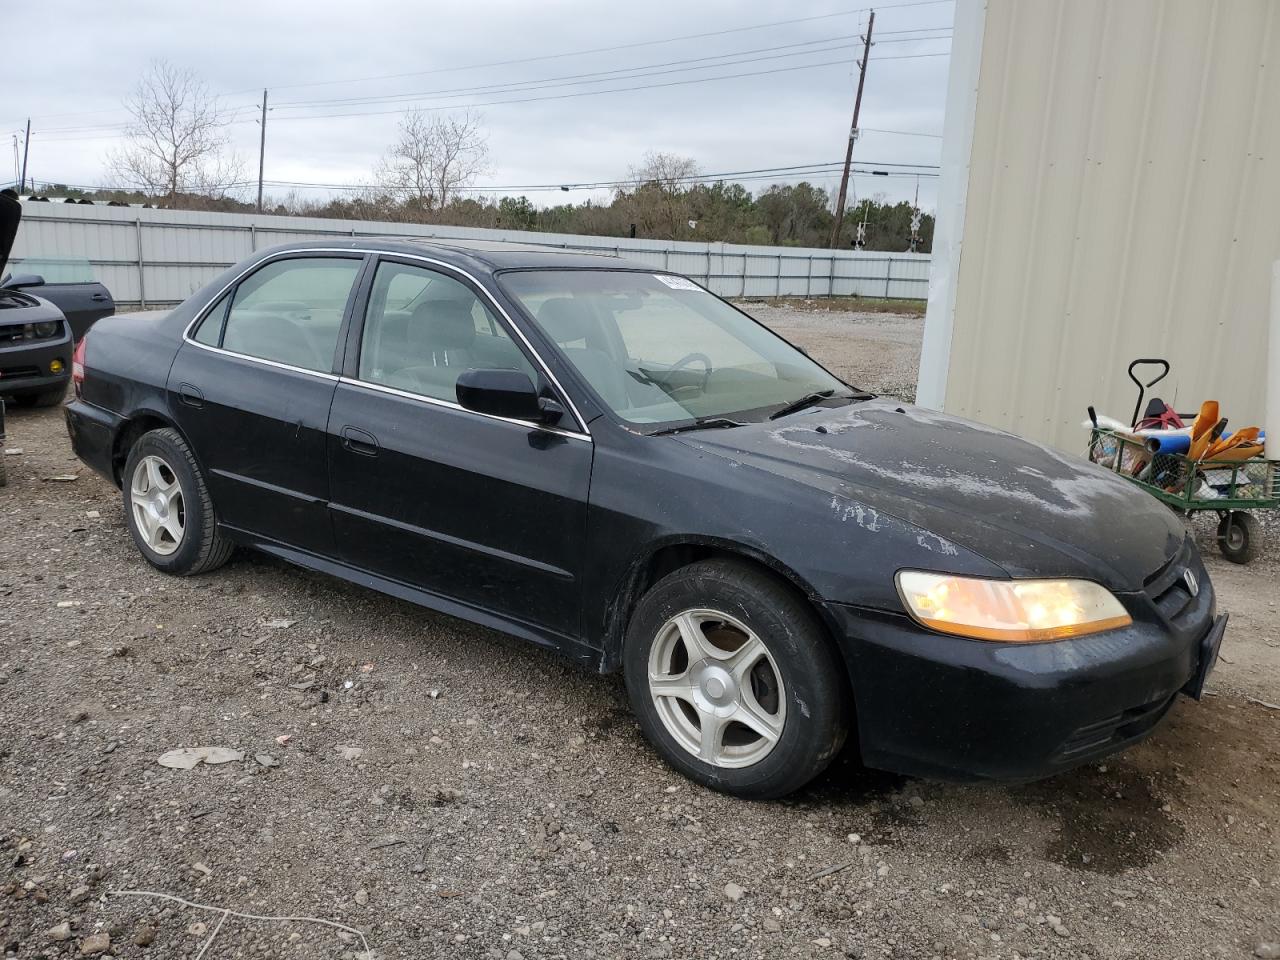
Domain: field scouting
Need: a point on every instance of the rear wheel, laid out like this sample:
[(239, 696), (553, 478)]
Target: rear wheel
[(168, 508), (734, 680), (1239, 536)]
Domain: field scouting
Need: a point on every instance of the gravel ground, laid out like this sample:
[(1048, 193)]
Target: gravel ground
[(444, 791)]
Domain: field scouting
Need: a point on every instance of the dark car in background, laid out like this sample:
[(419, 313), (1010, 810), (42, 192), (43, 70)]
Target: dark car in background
[(610, 461), (40, 319)]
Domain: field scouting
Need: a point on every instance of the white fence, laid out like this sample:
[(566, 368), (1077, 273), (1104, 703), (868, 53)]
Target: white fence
[(160, 257)]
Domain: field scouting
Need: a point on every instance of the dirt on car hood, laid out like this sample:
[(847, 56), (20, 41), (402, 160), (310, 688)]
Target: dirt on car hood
[(1029, 509)]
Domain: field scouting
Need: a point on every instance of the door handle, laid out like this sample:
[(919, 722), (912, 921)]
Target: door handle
[(99, 297), (190, 395), (359, 441)]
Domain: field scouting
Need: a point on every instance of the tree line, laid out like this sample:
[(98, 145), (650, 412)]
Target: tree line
[(176, 154)]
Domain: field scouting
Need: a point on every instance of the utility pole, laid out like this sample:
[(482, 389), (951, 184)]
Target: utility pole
[(262, 148), (26, 145), (853, 133)]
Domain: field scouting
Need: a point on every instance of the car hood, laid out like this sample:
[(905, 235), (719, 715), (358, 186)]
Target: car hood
[(18, 306), (1027, 508)]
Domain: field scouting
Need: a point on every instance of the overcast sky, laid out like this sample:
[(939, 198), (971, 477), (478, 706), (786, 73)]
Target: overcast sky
[(316, 50)]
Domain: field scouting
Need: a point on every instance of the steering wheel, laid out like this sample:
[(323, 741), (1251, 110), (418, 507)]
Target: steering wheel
[(683, 362)]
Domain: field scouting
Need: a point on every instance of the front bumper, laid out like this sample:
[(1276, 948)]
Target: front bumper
[(938, 706), (93, 432), (24, 368)]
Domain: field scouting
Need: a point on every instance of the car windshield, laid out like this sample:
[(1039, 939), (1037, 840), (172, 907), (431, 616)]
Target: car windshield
[(658, 349)]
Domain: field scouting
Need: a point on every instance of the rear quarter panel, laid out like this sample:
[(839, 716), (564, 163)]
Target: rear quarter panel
[(127, 361)]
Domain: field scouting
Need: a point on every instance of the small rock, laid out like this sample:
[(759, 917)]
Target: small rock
[(145, 935), (95, 944), (733, 892), (61, 932), (821, 942), (351, 754), (917, 802), (266, 760), (78, 895), (515, 955), (64, 604), (362, 897), (1267, 950), (197, 928), (855, 838), (771, 925)]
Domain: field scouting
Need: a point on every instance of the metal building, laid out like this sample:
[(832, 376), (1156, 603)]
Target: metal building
[(1110, 190)]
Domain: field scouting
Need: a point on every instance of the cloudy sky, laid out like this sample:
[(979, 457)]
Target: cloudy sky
[(340, 75)]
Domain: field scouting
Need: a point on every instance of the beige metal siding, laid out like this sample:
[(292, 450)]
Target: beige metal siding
[(1123, 201)]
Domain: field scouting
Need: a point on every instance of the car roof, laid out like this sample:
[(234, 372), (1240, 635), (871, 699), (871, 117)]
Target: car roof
[(488, 255)]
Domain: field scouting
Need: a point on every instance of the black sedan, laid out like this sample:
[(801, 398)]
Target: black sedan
[(614, 463)]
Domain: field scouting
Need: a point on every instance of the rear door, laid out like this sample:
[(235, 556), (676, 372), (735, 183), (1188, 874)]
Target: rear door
[(252, 387), (481, 510)]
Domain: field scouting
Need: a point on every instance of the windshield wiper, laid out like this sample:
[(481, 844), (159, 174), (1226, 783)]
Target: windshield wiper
[(808, 400), (702, 423)]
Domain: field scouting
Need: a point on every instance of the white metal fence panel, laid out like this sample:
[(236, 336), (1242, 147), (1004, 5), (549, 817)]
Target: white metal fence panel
[(160, 257)]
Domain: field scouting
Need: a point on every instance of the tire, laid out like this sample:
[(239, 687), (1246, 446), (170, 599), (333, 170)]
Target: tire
[(1239, 536), (749, 626), (49, 398), (158, 463), (4, 468)]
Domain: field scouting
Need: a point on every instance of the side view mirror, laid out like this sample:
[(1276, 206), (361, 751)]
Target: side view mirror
[(23, 280), (505, 393)]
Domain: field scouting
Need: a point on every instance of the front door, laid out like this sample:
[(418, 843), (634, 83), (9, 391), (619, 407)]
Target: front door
[(252, 391), (480, 510)]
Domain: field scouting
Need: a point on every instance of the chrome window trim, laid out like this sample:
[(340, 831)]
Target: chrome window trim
[(584, 433), (450, 405)]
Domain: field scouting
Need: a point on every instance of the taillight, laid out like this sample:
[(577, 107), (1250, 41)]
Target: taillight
[(77, 364)]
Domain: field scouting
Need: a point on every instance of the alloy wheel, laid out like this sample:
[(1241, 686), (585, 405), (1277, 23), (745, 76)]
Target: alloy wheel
[(716, 688), (158, 508)]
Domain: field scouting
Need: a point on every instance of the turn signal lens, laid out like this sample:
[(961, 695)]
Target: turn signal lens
[(1011, 611)]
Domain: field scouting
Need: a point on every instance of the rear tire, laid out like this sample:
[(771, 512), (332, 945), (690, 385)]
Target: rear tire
[(735, 681), (168, 509), (1239, 536)]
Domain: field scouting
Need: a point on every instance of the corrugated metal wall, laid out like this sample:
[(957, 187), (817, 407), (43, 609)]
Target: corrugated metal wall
[(162, 256), (1123, 201)]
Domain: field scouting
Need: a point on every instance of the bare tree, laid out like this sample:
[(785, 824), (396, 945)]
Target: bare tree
[(660, 195), (434, 157), (177, 140)]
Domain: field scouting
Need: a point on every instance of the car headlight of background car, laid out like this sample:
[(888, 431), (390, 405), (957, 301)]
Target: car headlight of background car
[(1012, 611), (42, 330)]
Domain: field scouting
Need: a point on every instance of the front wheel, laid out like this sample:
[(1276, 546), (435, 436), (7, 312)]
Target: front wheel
[(168, 509), (734, 680)]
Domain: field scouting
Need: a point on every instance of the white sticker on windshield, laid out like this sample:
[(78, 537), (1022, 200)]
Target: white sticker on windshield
[(676, 283)]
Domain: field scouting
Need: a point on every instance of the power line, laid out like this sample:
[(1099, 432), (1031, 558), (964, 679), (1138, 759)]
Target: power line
[(759, 173), (571, 80), (594, 93), (579, 53)]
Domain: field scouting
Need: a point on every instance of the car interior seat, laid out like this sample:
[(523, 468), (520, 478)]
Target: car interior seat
[(576, 331)]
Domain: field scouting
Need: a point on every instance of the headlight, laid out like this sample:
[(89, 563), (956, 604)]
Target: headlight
[(46, 328), (1012, 611)]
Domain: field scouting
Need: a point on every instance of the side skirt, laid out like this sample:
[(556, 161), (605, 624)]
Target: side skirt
[(575, 650)]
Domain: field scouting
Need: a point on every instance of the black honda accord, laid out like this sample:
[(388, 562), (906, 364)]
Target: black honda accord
[(612, 462)]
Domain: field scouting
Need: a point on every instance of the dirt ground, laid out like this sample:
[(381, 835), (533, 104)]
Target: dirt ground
[(444, 791)]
